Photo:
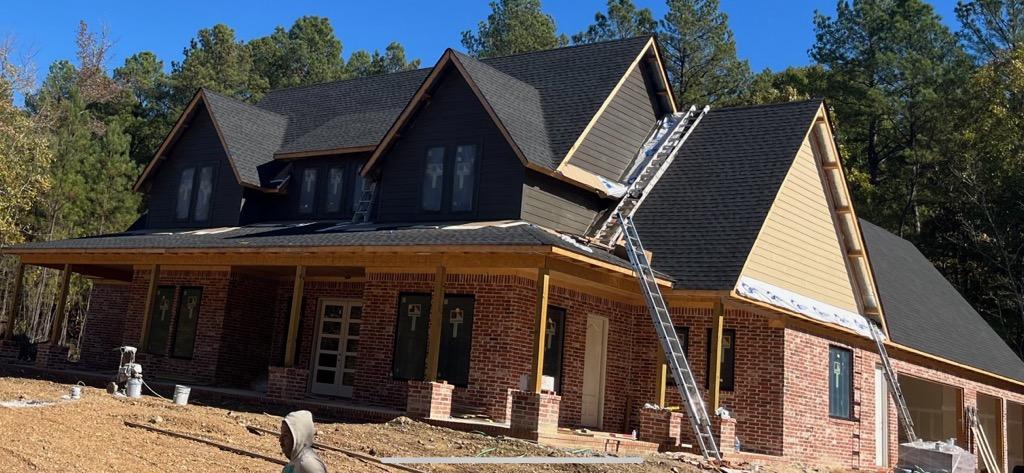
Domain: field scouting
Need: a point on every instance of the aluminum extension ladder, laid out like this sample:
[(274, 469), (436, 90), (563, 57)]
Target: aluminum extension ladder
[(366, 198), (674, 353), (894, 384), (666, 146)]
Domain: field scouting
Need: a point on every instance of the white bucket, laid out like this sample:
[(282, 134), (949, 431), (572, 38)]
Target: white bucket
[(181, 394), (76, 392), (134, 387)]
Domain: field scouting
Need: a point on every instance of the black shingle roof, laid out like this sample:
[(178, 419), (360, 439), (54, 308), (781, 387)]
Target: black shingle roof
[(545, 99), (924, 311), (703, 216), (329, 234)]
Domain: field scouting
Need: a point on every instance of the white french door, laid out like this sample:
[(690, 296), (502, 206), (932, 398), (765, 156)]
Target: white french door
[(337, 346)]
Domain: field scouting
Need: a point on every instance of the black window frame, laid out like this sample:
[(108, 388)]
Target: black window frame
[(168, 326), (727, 381), (448, 175), (849, 379), (446, 360), (345, 170), (175, 329), (193, 196), (556, 369), (315, 192), (425, 316)]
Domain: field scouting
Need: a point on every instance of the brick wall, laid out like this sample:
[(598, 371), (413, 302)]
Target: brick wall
[(104, 325), (247, 331)]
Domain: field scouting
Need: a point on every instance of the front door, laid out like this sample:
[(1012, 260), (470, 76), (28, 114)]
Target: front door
[(337, 345), (594, 360)]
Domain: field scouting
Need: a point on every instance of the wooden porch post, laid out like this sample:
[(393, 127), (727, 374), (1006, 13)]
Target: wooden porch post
[(293, 317), (661, 377), (717, 323), (540, 329), (147, 313), (57, 327), (434, 331), (12, 309)]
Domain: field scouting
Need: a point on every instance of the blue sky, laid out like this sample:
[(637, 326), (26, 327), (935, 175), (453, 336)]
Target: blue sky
[(772, 34)]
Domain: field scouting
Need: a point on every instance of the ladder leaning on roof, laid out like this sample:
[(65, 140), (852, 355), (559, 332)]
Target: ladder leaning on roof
[(674, 354), (894, 384), (365, 204), (651, 162)]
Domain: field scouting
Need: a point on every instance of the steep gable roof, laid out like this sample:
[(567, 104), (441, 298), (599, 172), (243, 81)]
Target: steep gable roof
[(250, 135), (703, 216), (925, 312)]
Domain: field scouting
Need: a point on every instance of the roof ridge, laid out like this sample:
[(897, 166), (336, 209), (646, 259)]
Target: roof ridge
[(570, 46), (254, 107), (338, 81), (773, 104)]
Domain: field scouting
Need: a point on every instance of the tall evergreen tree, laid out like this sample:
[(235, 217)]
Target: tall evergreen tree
[(216, 60), (700, 53), (307, 53), (622, 20), (151, 112), (513, 27), (892, 67), (991, 27), (362, 63)]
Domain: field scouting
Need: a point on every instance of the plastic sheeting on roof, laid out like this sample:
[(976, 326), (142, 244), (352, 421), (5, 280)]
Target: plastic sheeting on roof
[(779, 297)]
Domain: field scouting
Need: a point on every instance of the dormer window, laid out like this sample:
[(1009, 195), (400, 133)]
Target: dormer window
[(307, 193), (193, 202), (449, 178), (335, 186)]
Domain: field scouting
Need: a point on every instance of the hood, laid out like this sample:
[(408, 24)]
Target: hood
[(300, 423)]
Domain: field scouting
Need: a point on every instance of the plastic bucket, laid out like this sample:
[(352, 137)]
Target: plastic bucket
[(134, 387), (76, 392), (181, 394)]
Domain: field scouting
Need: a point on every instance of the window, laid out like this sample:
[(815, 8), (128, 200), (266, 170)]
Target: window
[(684, 339), (464, 178), (840, 385), (554, 341), (433, 179), (185, 194), (335, 186), (411, 336), (186, 322), (456, 340), (357, 189), (727, 379), (203, 194), (160, 320), (307, 192)]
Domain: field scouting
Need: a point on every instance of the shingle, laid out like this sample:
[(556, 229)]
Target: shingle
[(925, 312), (251, 134), (703, 216)]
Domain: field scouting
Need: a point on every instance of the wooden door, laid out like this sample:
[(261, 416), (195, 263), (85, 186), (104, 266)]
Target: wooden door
[(594, 361), (337, 347)]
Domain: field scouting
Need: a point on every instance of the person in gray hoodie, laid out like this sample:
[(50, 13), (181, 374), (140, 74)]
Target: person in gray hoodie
[(297, 432)]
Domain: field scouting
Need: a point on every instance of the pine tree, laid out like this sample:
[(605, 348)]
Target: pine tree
[(151, 113), (991, 28), (362, 63), (513, 27), (216, 60), (307, 53), (623, 20), (700, 53)]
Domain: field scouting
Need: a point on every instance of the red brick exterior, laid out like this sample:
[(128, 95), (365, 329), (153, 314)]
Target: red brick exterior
[(661, 426), (781, 374), (534, 414), (429, 400)]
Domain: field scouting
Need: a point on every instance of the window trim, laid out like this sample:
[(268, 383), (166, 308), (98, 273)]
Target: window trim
[(850, 416)]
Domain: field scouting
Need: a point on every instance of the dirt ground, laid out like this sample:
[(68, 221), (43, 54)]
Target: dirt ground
[(90, 435)]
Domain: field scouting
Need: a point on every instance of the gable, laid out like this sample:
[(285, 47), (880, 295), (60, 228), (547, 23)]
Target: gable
[(798, 247), (611, 144), (452, 116)]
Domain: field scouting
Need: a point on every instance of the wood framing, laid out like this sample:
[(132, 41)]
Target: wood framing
[(715, 377), (60, 315), (12, 309), (147, 310), (539, 330), (661, 378), (294, 313), (434, 330)]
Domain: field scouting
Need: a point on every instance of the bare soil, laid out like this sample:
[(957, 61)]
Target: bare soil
[(90, 434)]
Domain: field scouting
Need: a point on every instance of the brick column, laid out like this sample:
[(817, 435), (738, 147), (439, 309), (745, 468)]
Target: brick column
[(727, 435), (430, 400), (50, 356), (660, 426), (287, 383), (534, 414)]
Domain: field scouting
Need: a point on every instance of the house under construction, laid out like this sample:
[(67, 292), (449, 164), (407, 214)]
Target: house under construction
[(464, 241)]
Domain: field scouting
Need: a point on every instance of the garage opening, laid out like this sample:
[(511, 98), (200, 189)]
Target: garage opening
[(1015, 434), (935, 408), (990, 417)]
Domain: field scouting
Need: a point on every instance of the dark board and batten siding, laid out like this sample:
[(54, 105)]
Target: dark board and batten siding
[(554, 204), (198, 145), (612, 143), (453, 116)]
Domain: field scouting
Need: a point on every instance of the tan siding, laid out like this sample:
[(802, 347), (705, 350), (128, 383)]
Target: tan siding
[(615, 138), (798, 248)]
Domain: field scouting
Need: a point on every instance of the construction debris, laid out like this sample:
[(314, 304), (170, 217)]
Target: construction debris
[(928, 456)]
